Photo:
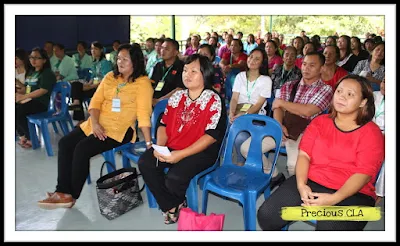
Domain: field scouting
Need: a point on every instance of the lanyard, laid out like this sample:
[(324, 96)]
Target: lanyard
[(231, 60), (381, 109), (166, 73), (283, 78), (58, 64), (252, 88), (120, 86)]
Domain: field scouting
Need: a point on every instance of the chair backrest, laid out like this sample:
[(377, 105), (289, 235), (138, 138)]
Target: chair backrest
[(229, 81), (217, 59), (270, 100), (64, 89), (157, 111), (259, 126)]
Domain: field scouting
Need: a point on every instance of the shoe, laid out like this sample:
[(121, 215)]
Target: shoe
[(278, 180), (75, 107), (172, 217), (57, 200)]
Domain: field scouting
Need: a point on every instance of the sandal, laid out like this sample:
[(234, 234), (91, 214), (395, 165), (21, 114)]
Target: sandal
[(27, 145), (172, 217), (22, 141)]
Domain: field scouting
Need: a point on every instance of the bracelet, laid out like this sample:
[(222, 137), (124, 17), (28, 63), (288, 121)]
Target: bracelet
[(149, 143)]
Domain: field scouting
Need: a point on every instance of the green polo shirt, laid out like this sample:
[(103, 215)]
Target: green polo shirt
[(44, 79)]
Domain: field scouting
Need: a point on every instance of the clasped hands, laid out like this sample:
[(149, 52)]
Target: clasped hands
[(311, 198)]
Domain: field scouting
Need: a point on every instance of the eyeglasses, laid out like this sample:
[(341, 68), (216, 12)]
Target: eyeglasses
[(35, 57)]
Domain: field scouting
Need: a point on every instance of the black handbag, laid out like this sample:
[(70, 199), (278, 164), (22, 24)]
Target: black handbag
[(118, 192)]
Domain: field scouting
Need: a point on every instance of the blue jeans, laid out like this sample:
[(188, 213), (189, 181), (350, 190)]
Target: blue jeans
[(240, 138)]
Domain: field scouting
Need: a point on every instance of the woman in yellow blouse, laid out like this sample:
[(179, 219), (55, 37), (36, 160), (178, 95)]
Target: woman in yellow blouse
[(124, 96)]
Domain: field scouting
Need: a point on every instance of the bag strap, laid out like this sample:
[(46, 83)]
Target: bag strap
[(102, 166), (127, 185), (294, 90)]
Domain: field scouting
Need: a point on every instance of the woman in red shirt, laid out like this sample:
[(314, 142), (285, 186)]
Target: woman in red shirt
[(339, 158), (331, 73), (192, 127)]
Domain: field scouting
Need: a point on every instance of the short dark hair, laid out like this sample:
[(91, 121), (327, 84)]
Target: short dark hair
[(83, 43), (378, 39), (206, 68), (367, 112), (137, 59), (321, 57), (240, 43), (23, 56), (150, 40), (337, 51), (376, 45), (210, 48), (117, 41), (173, 42), (61, 46)]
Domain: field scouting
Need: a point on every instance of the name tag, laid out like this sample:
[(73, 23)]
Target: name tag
[(245, 107), (160, 85), (95, 80), (116, 105), (277, 93)]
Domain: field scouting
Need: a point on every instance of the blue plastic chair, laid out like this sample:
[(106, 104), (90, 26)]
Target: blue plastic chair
[(217, 59), (84, 73), (192, 196), (245, 183), (229, 81), (43, 119)]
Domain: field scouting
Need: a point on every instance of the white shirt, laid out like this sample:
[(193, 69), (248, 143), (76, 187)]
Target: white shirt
[(20, 76), (379, 117), (261, 87)]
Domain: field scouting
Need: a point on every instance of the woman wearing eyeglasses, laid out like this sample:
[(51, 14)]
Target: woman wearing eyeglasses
[(34, 95)]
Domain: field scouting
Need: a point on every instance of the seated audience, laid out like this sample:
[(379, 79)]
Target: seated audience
[(218, 79), (108, 126), (64, 69), (80, 91), (155, 58), (274, 58), (330, 72), (192, 127), (347, 60), (34, 95), (357, 50), (307, 48), (22, 65), (114, 53), (235, 58), (298, 103), (167, 75), (82, 59), (286, 72), (374, 67), (339, 158)]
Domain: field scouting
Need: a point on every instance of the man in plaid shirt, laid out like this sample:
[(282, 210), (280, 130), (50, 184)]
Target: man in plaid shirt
[(312, 97)]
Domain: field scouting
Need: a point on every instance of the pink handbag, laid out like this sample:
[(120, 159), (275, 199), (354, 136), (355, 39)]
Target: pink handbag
[(192, 221)]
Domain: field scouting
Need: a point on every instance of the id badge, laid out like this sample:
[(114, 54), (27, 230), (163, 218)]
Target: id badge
[(245, 107), (277, 93), (116, 105), (160, 85)]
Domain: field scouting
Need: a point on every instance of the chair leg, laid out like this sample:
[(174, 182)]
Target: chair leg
[(89, 180), (64, 127), (46, 138), (125, 162), (70, 121), (109, 156), (151, 199), (250, 212), (55, 127), (33, 135), (192, 195)]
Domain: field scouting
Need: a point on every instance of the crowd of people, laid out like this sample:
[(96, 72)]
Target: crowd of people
[(328, 99)]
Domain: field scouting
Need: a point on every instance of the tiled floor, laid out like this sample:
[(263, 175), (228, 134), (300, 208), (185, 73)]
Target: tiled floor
[(36, 173)]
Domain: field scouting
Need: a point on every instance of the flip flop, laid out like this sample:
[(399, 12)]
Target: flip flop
[(26, 145), (21, 142)]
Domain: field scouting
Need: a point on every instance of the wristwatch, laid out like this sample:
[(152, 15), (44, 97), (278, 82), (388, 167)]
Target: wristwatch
[(149, 143)]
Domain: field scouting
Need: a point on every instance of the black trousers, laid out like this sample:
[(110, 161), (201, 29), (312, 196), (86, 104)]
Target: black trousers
[(74, 153), (287, 195), (169, 189), (78, 93), (23, 110)]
